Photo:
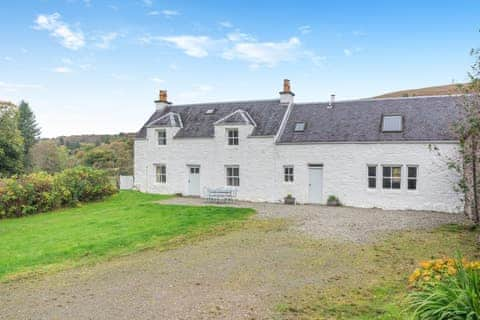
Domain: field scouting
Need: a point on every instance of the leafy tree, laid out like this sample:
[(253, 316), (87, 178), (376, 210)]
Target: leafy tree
[(29, 130), (11, 141), (47, 156)]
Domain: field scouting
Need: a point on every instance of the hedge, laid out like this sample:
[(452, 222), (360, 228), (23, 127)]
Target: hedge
[(41, 192)]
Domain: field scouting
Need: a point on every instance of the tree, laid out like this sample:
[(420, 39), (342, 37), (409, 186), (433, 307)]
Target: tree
[(47, 156), (11, 141), (29, 130)]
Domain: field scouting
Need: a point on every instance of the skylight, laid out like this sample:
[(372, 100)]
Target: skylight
[(299, 127), (210, 111), (393, 123)]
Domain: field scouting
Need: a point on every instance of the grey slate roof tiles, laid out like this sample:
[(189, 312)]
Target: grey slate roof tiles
[(425, 119)]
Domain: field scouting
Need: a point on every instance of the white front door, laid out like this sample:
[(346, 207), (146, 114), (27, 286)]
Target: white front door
[(194, 180), (315, 181)]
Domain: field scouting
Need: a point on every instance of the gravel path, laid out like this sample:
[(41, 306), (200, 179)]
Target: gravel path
[(240, 275), (342, 223)]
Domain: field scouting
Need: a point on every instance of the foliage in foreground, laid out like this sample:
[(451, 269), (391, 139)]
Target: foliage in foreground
[(126, 222), (446, 289), (41, 192)]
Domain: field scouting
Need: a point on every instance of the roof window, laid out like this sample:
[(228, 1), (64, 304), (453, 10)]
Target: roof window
[(392, 123), (210, 111), (299, 127)]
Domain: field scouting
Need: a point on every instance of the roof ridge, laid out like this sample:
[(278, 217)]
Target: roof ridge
[(381, 99), (172, 106)]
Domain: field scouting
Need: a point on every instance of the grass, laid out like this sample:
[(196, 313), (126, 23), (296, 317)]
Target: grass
[(124, 223), (376, 287)]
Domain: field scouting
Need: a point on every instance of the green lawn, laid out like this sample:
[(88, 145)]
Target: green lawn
[(126, 222)]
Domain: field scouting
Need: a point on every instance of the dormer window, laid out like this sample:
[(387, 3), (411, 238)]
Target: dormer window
[(232, 137), (299, 127), (392, 123), (161, 137)]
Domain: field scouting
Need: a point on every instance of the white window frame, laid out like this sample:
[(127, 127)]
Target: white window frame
[(232, 180), (412, 178), (161, 141), (372, 177), (288, 174), (161, 177), (392, 116), (234, 139), (391, 177)]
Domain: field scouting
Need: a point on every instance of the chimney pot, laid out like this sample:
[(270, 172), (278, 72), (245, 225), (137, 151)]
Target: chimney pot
[(286, 96), (162, 101)]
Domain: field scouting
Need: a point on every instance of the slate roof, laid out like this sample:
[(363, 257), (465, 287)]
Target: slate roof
[(267, 114), (424, 119)]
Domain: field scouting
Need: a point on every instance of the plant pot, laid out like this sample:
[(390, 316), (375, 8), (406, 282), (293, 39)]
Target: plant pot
[(333, 203), (289, 200)]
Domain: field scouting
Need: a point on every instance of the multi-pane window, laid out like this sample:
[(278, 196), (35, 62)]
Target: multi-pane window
[(161, 173), (288, 173), (392, 123), (162, 137), (233, 176), (232, 137), (412, 177), (392, 177), (372, 177)]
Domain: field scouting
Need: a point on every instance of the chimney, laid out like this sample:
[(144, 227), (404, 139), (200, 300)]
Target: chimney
[(162, 101), (332, 101), (286, 96)]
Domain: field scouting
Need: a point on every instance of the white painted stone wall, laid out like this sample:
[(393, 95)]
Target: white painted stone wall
[(261, 169)]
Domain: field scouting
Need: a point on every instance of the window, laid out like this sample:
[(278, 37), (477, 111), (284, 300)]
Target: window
[(392, 123), (161, 137), (372, 177), (161, 173), (392, 177), (233, 176), (288, 173), (210, 111), (412, 177), (232, 137), (299, 127)]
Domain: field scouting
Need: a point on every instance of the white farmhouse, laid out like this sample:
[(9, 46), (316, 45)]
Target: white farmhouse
[(386, 153)]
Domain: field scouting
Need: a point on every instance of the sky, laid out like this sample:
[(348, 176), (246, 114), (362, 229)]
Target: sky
[(91, 66)]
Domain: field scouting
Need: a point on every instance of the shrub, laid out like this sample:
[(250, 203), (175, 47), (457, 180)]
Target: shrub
[(40, 192), (446, 289), (82, 184)]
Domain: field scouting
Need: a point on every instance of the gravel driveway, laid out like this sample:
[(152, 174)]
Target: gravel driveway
[(342, 223), (240, 275)]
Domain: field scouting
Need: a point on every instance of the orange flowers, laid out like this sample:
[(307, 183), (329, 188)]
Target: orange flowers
[(437, 269)]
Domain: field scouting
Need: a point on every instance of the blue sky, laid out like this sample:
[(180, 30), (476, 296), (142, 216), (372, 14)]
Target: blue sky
[(96, 66)]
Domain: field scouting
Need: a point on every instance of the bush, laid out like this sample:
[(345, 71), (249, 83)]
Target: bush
[(446, 289), (40, 192)]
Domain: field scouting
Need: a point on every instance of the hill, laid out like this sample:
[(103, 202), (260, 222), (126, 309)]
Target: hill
[(428, 91)]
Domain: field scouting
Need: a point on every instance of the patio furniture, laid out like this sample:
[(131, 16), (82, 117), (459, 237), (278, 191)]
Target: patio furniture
[(220, 195)]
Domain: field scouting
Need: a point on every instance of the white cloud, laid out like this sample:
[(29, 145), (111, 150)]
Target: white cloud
[(121, 77), (194, 46), (358, 33), (305, 29), (170, 13), (148, 3), (226, 24), (8, 59), (239, 36), (265, 53), (87, 3), (62, 70), (153, 13), (347, 52), (157, 80), (67, 61), (58, 29), (106, 40)]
